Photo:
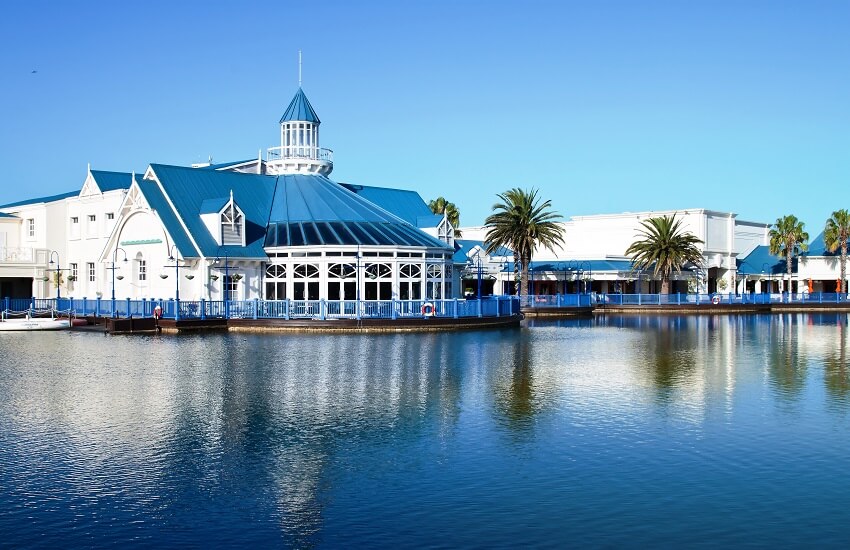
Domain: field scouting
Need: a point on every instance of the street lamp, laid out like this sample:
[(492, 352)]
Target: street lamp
[(225, 285), (173, 257), (589, 270), (767, 269), (57, 274), (113, 268), (470, 263)]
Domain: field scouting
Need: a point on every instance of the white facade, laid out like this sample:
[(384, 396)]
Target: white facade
[(607, 236)]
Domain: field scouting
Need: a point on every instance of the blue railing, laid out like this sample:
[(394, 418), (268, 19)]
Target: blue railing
[(491, 306), (588, 300)]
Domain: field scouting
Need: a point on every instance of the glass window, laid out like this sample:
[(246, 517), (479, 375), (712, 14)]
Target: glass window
[(143, 270), (75, 219), (31, 227), (110, 216), (90, 269), (74, 271)]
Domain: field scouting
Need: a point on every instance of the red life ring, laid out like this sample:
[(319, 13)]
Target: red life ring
[(428, 309), (716, 299), (157, 312)]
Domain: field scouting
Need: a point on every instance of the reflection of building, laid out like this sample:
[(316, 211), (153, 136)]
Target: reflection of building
[(270, 228), (593, 257)]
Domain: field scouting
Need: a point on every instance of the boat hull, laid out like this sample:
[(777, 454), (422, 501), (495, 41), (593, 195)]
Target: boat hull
[(34, 324)]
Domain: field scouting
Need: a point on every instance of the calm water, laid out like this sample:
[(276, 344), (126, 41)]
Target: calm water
[(625, 431)]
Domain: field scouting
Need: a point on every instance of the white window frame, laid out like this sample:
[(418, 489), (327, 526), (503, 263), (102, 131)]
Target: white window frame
[(91, 271)]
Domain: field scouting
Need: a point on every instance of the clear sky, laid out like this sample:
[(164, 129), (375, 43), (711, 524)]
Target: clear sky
[(604, 106)]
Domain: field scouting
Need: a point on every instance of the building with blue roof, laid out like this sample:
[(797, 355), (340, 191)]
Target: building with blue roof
[(268, 228)]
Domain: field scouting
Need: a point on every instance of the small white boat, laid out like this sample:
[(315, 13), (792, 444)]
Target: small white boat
[(34, 323)]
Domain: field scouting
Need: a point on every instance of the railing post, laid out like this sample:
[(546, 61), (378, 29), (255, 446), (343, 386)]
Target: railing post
[(639, 298), (97, 307), (454, 309), (323, 309), (357, 309), (128, 307), (256, 306), (286, 309), (176, 310), (203, 309), (394, 313), (480, 312)]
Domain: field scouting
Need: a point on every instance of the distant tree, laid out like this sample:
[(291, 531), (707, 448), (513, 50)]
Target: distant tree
[(788, 238), (835, 236), (441, 206), (665, 247), (521, 222)]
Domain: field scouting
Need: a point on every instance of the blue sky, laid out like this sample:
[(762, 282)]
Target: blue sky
[(604, 106)]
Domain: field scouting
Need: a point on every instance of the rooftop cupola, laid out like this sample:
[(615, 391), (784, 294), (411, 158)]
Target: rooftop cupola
[(299, 151)]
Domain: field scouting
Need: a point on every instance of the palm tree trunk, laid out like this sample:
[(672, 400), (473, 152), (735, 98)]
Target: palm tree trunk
[(844, 266), (665, 285), (523, 290), (788, 250)]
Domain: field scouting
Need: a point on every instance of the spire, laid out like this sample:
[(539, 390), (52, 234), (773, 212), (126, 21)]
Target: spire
[(300, 110)]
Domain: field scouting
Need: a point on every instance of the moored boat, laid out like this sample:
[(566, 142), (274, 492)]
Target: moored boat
[(8, 323)]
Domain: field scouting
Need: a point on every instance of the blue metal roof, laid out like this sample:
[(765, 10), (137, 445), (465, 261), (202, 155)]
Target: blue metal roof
[(213, 206), (110, 181), (405, 204), (313, 210), (300, 109), (432, 220), (463, 246), (222, 165), (38, 200), (187, 189), (760, 260), (579, 265), (817, 247), (157, 201)]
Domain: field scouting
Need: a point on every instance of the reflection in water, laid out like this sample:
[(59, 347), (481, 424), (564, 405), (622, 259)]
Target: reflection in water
[(306, 440), (787, 366), (836, 373)]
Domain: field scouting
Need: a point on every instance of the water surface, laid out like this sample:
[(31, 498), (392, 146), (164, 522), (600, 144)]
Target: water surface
[(614, 431)]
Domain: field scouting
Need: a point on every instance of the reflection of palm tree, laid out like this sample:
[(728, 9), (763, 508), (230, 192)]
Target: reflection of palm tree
[(786, 364), (835, 368), (516, 399), (674, 360)]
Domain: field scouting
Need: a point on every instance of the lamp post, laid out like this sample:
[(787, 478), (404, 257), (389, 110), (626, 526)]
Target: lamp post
[(57, 274), (477, 262), (173, 257), (766, 269), (113, 268), (225, 285), (589, 270)]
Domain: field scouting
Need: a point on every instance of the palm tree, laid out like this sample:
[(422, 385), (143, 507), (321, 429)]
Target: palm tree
[(835, 236), (521, 222), (441, 206), (666, 247), (788, 238)]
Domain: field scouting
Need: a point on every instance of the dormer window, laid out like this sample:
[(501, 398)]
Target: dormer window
[(232, 225)]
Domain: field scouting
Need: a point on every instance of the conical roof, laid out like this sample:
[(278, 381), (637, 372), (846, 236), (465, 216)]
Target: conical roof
[(300, 109)]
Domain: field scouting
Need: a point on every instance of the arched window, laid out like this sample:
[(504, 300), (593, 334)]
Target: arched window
[(275, 282), (342, 282), (306, 282), (410, 282)]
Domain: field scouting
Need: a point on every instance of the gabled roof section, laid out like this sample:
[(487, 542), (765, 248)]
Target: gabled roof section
[(39, 200), (760, 260), (817, 247), (187, 187), (432, 220), (464, 246), (313, 210), (300, 109), (157, 201), (213, 206), (407, 205), (3, 215), (111, 181), (224, 165)]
